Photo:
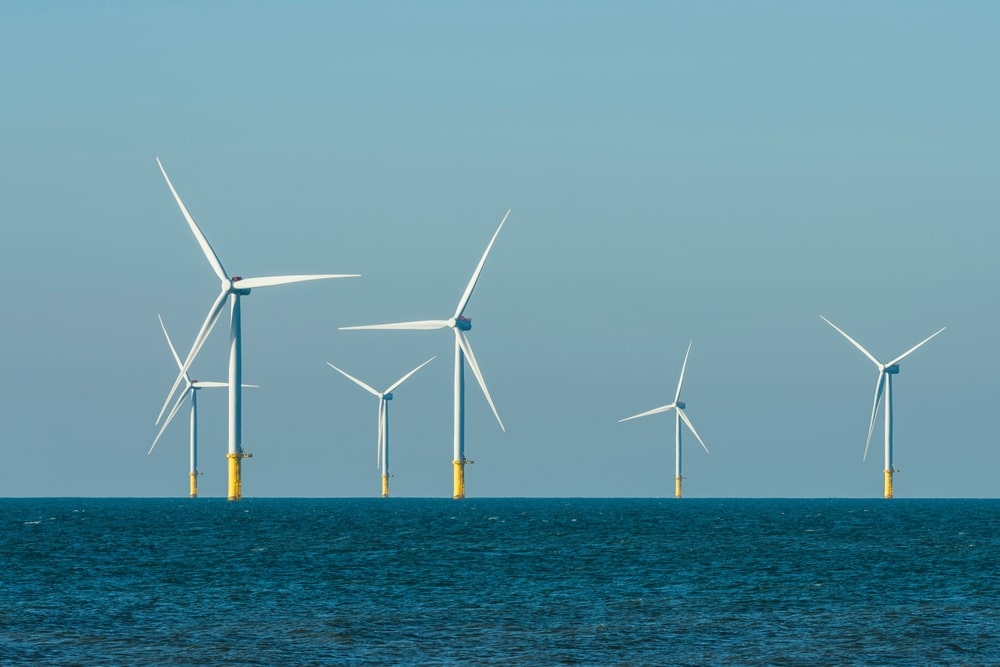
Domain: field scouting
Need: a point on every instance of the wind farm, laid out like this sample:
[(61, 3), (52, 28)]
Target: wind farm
[(459, 324), (233, 288), (382, 447), (678, 407), (883, 386)]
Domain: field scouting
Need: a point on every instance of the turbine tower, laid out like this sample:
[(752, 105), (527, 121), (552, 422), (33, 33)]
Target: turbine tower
[(191, 388), (463, 352), (678, 407), (383, 418), (883, 383), (232, 289)]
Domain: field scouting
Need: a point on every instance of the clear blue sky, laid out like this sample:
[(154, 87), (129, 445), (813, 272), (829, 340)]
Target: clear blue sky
[(716, 172)]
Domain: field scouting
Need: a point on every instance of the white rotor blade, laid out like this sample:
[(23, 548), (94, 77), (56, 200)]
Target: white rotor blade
[(879, 386), (654, 411), (355, 380), (206, 384), (173, 351), (687, 421), (474, 365), (907, 353), (206, 329), (854, 342), (173, 411), (681, 380), (463, 302), (269, 281), (206, 248), (407, 376), (416, 325)]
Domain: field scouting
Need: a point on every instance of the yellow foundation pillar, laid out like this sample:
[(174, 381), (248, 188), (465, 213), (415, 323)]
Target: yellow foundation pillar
[(385, 486), (235, 474), (888, 483), (459, 479), (677, 487), (194, 484)]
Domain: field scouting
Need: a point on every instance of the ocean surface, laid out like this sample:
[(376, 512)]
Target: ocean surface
[(499, 582)]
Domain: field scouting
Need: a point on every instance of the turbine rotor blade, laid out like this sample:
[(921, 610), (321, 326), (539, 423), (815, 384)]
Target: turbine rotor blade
[(912, 349), (464, 301), (474, 365), (206, 329), (681, 380), (269, 281), (416, 325), (687, 421), (206, 248), (879, 386), (205, 384), (855, 343), (173, 351), (654, 411), (407, 376), (355, 380), (173, 411)]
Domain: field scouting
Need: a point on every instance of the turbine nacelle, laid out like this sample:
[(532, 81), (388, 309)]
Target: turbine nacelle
[(680, 405), (387, 396), (892, 370), (461, 323)]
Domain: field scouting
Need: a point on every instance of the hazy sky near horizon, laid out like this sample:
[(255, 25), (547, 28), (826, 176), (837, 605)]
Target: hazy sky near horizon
[(717, 172)]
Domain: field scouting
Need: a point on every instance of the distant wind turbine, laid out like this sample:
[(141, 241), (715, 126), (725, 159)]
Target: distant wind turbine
[(678, 407), (883, 383), (463, 351), (383, 418), (191, 388), (232, 289)]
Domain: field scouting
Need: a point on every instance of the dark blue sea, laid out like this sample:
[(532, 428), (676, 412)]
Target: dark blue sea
[(499, 582)]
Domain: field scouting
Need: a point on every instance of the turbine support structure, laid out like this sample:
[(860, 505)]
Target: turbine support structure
[(677, 486), (194, 483), (235, 474), (888, 482), (459, 490), (385, 485)]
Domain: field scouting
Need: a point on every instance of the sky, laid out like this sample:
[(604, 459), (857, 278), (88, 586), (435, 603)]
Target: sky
[(722, 173)]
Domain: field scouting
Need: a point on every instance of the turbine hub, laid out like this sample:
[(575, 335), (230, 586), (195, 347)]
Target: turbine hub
[(463, 323)]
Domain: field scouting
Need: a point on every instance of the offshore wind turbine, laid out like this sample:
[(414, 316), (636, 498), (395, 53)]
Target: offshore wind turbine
[(678, 407), (383, 418), (232, 289), (463, 352), (883, 383), (191, 388)]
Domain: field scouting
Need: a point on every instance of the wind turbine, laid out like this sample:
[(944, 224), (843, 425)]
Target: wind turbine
[(463, 352), (191, 388), (232, 288), (383, 418), (883, 382), (678, 407)]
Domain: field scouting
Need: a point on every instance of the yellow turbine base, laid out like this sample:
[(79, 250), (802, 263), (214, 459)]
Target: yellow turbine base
[(677, 487), (459, 480), (385, 486), (194, 484), (235, 475), (888, 483)]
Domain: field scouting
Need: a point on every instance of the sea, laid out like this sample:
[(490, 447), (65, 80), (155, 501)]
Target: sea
[(405, 581)]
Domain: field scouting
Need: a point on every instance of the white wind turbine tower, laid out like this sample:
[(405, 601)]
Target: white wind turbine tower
[(191, 388), (383, 418), (463, 352), (678, 407), (883, 383), (232, 289)]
